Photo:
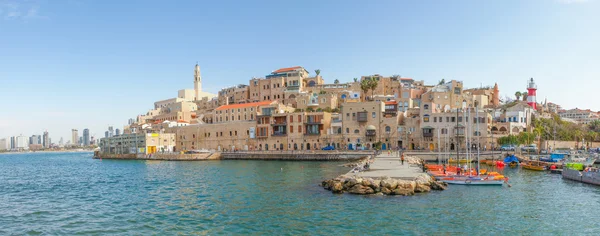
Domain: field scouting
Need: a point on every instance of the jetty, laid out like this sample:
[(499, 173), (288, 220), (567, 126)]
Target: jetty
[(386, 176)]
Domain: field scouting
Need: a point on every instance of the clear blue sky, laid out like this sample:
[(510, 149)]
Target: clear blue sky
[(87, 64)]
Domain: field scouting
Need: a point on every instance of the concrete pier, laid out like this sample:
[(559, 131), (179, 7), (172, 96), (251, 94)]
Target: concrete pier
[(390, 166)]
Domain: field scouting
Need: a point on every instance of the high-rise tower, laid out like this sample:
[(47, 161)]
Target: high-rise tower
[(531, 89), (197, 82)]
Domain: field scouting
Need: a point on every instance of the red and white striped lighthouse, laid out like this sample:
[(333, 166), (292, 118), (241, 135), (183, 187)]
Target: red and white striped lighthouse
[(531, 89)]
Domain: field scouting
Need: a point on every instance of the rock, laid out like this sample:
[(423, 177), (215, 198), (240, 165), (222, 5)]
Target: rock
[(371, 183), (423, 179), (389, 183), (386, 191), (421, 188), (402, 192), (438, 185), (406, 184), (350, 183), (361, 189), (337, 187)]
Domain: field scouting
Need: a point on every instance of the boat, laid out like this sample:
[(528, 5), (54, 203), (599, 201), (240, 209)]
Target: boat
[(534, 165), (590, 175), (473, 180), (512, 161), (462, 161), (554, 157)]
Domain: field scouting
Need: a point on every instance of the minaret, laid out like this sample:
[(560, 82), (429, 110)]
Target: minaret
[(496, 96), (197, 82)]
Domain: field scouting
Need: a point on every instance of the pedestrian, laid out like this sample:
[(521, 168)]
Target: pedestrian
[(402, 159), (444, 166), (423, 164)]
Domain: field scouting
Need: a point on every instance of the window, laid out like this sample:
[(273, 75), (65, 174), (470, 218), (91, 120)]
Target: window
[(453, 119), (434, 119), (460, 119), (426, 118), (388, 129), (426, 107), (236, 133), (347, 130), (300, 118), (373, 114), (193, 136), (299, 129), (291, 119), (291, 129), (356, 131), (447, 119), (347, 114), (230, 133)]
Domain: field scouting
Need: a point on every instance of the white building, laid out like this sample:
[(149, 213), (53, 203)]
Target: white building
[(4, 144), (21, 142), (580, 116)]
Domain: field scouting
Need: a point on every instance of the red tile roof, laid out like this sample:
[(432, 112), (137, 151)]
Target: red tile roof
[(242, 105), (287, 69)]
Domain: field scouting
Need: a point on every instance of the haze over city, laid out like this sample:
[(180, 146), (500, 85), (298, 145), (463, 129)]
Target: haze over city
[(66, 65)]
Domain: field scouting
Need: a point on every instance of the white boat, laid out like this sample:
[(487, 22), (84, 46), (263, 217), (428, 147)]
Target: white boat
[(472, 181)]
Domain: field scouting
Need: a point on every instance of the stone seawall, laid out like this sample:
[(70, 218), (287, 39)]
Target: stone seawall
[(161, 156), (294, 156)]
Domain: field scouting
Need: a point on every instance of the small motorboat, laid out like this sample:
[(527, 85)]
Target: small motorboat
[(474, 180), (459, 161), (534, 165)]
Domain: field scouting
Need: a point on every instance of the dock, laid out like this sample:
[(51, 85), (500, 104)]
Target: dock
[(390, 166)]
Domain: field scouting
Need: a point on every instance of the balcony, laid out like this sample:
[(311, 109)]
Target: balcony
[(279, 134), (313, 121), (370, 133), (279, 124), (362, 116), (428, 132), (312, 133), (262, 135)]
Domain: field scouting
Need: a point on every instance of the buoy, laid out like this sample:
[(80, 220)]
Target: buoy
[(553, 167)]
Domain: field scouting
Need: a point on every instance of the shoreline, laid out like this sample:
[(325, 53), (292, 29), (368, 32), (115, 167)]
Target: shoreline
[(62, 151)]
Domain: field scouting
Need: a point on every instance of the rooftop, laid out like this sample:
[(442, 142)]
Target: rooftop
[(242, 105), (287, 69)]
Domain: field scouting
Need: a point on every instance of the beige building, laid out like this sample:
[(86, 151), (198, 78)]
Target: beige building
[(365, 124), (144, 143), (74, 137)]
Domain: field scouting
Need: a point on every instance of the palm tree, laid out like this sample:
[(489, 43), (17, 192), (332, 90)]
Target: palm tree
[(318, 72), (336, 81), (594, 125), (372, 85), (524, 94), (355, 79), (443, 81), (364, 86), (518, 95)]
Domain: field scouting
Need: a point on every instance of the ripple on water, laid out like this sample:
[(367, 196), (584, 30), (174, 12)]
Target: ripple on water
[(72, 194)]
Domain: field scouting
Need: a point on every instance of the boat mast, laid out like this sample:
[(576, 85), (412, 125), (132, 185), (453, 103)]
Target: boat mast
[(438, 144), (457, 141), (478, 135)]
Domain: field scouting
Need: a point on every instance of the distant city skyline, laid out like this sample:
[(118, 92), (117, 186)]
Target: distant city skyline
[(65, 74)]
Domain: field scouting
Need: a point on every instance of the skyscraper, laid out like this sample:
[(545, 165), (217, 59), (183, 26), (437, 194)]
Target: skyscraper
[(13, 142), (110, 131), (46, 140), (3, 144), (86, 137), (106, 134), (21, 142), (61, 142), (35, 139), (117, 132), (74, 137)]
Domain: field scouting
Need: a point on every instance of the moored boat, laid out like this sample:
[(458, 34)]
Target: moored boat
[(477, 180), (534, 165)]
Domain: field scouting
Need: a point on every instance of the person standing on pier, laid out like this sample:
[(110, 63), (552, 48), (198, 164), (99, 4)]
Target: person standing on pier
[(402, 158)]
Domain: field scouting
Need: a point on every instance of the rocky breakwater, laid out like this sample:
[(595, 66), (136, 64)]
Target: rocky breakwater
[(384, 185)]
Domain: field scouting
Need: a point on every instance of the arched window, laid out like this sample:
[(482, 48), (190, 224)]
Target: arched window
[(426, 107), (347, 130), (339, 131), (356, 131), (311, 83), (388, 129)]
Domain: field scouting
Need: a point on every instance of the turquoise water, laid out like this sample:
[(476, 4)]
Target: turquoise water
[(71, 193)]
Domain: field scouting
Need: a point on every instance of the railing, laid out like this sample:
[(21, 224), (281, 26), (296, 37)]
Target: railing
[(279, 134), (312, 133), (279, 123), (371, 133)]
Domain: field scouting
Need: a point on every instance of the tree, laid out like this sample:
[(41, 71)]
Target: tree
[(364, 86), (443, 81), (372, 85), (524, 94), (518, 95), (594, 125), (318, 72), (336, 81), (355, 79)]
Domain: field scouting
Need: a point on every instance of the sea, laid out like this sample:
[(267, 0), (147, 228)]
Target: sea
[(73, 194)]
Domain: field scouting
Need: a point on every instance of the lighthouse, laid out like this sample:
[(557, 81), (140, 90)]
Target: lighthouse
[(531, 89)]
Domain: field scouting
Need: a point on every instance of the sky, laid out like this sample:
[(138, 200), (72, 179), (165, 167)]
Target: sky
[(75, 64)]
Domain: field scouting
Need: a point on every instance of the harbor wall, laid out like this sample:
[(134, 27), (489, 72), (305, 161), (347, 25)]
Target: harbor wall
[(295, 155), (590, 177), (161, 156), (568, 144)]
